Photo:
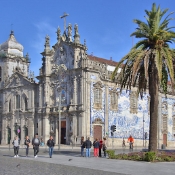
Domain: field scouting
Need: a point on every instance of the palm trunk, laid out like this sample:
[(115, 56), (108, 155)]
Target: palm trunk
[(153, 91)]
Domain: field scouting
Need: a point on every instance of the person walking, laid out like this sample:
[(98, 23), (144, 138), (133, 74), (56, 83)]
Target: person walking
[(88, 145), (16, 146), (130, 141), (96, 145), (100, 147), (50, 144), (27, 142), (82, 146), (104, 146), (36, 143)]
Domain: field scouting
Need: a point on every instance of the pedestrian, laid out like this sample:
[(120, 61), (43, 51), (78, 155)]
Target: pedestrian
[(42, 142), (104, 146), (82, 146), (100, 147), (36, 143), (130, 141), (27, 143), (123, 143), (16, 146), (96, 145), (88, 145), (50, 144)]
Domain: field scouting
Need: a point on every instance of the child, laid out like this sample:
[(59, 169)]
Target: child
[(16, 146)]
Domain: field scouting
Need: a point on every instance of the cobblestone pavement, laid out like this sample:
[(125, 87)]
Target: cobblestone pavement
[(19, 166)]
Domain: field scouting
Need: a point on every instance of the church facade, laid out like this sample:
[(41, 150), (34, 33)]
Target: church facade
[(77, 89)]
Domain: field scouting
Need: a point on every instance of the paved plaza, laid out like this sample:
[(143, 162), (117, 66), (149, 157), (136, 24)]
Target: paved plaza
[(69, 162)]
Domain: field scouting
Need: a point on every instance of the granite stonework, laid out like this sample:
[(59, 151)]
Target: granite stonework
[(68, 71)]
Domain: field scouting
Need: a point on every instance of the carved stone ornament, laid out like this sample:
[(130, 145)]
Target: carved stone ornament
[(98, 85), (98, 121)]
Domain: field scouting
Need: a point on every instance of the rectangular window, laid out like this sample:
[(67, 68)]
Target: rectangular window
[(17, 101), (164, 123)]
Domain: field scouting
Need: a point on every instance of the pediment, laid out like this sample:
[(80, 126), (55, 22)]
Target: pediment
[(16, 80)]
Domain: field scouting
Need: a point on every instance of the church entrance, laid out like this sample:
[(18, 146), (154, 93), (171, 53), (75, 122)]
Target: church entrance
[(63, 132), (98, 132), (165, 139)]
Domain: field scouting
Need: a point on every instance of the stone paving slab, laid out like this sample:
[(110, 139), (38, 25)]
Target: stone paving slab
[(73, 159)]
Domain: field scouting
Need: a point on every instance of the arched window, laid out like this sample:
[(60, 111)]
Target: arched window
[(0, 73), (17, 101), (10, 106), (25, 103)]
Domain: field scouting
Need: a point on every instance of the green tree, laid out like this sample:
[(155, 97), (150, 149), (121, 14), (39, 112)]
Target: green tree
[(149, 64)]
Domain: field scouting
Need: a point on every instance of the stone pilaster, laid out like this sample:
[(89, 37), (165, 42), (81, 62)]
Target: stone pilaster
[(46, 128), (12, 127), (4, 131), (56, 130), (31, 128), (106, 110), (22, 123)]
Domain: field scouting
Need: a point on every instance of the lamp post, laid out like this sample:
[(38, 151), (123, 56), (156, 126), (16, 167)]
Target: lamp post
[(59, 70), (59, 141)]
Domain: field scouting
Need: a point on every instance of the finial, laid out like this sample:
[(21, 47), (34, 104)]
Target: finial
[(47, 41), (69, 32), (64, 17), (76, 36), (11, 33)]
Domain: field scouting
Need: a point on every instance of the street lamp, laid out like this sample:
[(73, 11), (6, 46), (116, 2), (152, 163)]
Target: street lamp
[(59, 70)]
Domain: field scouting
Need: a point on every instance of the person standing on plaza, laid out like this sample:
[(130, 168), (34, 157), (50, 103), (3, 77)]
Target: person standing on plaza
[(50, 144), (100, 147), (88, 145), (131, 141), (27, 143), (96, 145), (36, 143), (16, 146), (104, 146), (82, 146)]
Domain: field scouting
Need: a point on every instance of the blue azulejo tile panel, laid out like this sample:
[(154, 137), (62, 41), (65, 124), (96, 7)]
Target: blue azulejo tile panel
[(168, 110), (94, 113), (126, 122)]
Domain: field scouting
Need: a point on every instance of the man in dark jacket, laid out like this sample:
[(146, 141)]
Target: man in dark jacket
[(50, 144), (88, 145), (36, 143)]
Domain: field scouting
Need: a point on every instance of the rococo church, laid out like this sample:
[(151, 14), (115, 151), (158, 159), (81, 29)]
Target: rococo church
[(75, 88)]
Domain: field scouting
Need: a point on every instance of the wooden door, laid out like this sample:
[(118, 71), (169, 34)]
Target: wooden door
[(63, 132), (165, 139), (98, 132)]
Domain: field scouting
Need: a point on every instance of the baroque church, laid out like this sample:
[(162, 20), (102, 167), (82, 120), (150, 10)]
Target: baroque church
[(76, 89)]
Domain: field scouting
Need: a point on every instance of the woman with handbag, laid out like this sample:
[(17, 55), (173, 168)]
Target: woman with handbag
[(27, 143)]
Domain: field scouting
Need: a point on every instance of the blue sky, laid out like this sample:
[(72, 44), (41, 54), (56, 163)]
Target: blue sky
[(106, 25)]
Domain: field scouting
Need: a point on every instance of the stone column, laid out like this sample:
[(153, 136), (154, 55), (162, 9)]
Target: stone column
[(3, 130), (22, 123), (56, 130), (31, 128), (12, 128), (46, 128), (74, 120), (39, 126)]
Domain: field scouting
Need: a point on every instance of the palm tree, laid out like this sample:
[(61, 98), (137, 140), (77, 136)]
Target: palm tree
[(149, 64)]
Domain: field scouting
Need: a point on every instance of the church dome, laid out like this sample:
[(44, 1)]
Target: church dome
[(12, 47)]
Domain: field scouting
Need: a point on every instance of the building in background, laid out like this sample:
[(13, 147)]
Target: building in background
[(80, 84)]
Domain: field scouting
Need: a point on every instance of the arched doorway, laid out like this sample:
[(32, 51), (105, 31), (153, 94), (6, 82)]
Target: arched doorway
[(8, 135)]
